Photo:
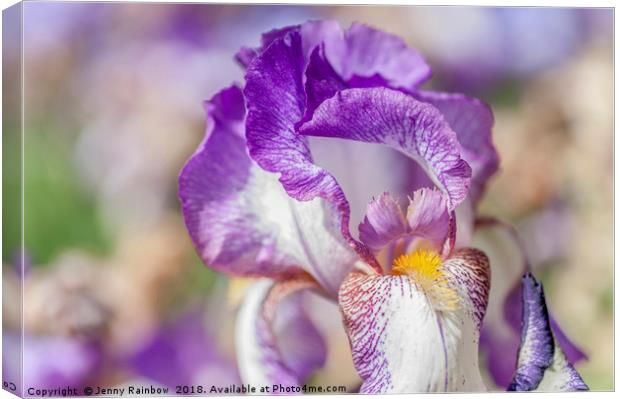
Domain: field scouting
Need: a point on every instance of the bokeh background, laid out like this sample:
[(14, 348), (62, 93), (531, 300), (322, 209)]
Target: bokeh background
[(113, 108)]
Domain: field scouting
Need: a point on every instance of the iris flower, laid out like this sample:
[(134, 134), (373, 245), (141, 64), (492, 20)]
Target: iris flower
[(332, 131)]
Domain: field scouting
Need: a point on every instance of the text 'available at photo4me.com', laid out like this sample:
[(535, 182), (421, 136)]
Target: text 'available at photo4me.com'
[(200, 390)]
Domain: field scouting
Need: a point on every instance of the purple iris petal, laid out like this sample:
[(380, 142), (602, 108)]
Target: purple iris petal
[(303, 348), (322, 81), (536, 338), (384, 116), (471, 120), (540, 358), (513, 309), (241, 220), (500, 332), (276, 99), (362, 57), (276, 341), (367, 56), (300, 68), (209, 184), (311, 33), (503, 350), (331, 70)]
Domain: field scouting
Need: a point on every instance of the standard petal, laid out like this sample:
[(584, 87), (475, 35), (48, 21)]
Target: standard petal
[(276, 342), (541, 363), (322, 81), (241, 220), (275, 98), (384, 116), (402, 344), (472, 121), (311, 33), (362, 57), (369, 54)]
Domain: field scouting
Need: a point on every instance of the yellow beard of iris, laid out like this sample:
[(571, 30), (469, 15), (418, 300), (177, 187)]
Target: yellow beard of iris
[(425, 269)]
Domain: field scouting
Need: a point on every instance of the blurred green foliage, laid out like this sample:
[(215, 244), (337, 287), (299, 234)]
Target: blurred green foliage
[(58, 212), (11, 197), (199, 279)]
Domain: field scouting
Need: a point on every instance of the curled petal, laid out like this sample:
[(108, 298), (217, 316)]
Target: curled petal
[(275, 96), (219, 171), (472, 121), (276, 341), (241, 220), (402, 344), (384, 116), (541, 363)]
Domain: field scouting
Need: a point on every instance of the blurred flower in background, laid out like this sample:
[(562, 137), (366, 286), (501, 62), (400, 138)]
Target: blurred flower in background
[(182, 352), (113, 109)]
